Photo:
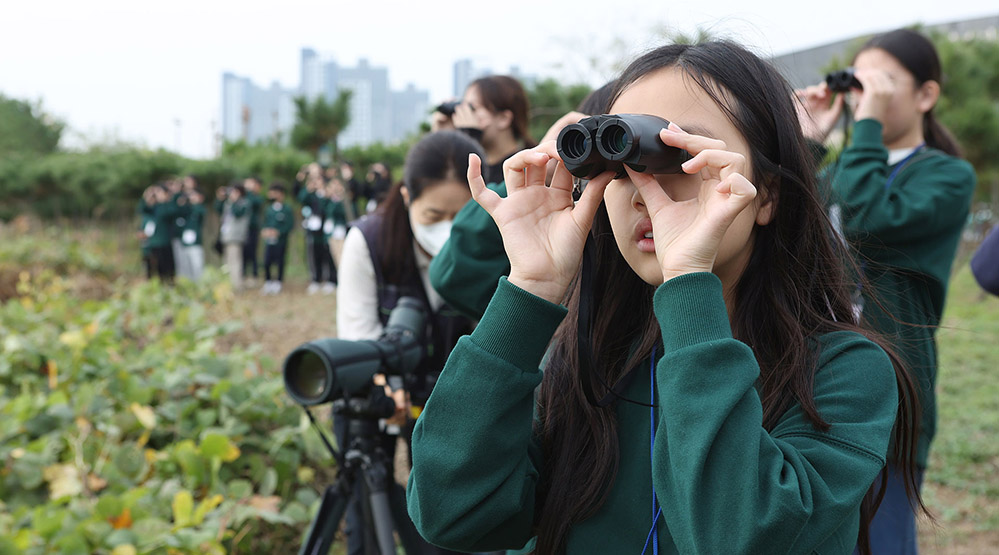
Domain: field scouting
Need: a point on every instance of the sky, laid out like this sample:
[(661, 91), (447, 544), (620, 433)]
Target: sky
[(151, 72)]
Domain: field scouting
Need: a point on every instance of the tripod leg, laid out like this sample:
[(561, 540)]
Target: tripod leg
[(376, 483), (327, 521)]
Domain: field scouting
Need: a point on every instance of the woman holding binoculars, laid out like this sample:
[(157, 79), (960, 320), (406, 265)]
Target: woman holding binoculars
[(495, 113), (901, 196), (706, 389)]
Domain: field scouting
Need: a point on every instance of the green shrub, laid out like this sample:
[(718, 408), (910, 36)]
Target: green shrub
[(123, 423), (107, 183)]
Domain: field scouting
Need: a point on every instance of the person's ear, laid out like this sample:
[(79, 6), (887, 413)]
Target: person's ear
[(405, 195), (927, 96), (504, 119), (766, 208)]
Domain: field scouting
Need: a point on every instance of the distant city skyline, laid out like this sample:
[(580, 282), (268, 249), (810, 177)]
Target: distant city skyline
[(149, 74), (256, 114)]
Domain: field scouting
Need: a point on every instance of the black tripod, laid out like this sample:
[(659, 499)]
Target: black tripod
[(365, 465)]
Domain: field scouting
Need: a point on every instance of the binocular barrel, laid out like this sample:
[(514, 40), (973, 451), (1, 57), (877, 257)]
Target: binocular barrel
[(609, 142), (843, 80), (447, 108)]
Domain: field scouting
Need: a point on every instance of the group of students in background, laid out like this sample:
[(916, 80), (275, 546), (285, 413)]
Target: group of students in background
[(788, 422), (173, 214)]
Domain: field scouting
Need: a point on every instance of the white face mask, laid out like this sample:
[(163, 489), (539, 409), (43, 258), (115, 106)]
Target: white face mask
[(432, 237)]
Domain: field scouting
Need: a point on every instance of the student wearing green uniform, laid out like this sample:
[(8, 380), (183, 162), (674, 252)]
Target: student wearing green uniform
[(278, 221), (159, 211), (335, 223), (730, 405), (900, 195), (470, 263), (255, 203), (192, 247), (145, 222)]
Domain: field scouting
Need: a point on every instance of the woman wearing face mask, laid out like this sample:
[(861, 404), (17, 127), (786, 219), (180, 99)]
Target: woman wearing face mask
[(495, 112), (386, 256)]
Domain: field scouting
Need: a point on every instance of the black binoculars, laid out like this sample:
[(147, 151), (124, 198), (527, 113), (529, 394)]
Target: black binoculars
[(609, 142), (447, 108), (843, 80)]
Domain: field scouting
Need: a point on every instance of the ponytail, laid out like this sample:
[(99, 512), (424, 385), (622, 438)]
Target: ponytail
[(938, 136)]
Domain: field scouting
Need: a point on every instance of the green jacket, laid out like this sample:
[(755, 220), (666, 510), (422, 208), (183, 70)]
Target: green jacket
[(906, 236), (255, 203), (278, 216), (156, 222), (335, 215), (179, 211), (194, 220), (724, 483), (466, 270)]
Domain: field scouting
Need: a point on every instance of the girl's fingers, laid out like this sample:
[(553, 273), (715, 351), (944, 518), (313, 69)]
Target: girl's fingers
[(487, 198), (674, 136), (513, 168), (738, 193), (586, 209), (652, 193), (562, 179), (726, 162)]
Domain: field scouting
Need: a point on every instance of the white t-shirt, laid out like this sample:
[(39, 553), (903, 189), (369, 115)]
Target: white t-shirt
[(357, 291)]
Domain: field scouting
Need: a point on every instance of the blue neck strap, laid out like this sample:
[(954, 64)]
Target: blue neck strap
[(656, 509), (898, 167)]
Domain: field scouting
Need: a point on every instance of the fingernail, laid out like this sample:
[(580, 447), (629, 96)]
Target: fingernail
[(667, 130), (674, 127), (686, 165)]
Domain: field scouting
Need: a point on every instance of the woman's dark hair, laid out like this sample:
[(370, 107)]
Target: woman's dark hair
[(919, 57), (501, 92), (598, 101), (436, 157), (795, 281)]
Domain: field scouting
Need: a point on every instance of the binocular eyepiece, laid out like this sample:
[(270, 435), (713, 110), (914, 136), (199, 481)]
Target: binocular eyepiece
[(843, 80), (609, 142)]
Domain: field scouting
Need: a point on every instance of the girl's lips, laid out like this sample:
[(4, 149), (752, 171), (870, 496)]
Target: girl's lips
[(645, 244)]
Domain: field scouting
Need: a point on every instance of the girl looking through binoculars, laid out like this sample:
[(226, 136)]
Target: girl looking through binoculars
[(738, 407), (901, 197)]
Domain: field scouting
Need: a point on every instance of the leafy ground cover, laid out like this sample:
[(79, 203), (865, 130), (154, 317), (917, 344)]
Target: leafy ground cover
[(129, 425), (139, 418)]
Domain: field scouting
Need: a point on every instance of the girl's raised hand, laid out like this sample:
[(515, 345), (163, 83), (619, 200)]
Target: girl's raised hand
[(873, 101), (818, 111), (543, 231), (688, 233)]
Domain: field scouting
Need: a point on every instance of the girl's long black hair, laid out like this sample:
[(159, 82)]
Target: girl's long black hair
[(795, 281)]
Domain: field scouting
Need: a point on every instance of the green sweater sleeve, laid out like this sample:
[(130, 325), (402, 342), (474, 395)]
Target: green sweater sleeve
[(475, 459), (285, 225), (924, 207), (726, 484), (240, 208), (466, 270)]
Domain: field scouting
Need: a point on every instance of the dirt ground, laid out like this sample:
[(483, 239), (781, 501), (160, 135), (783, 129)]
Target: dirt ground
[(279, 323)]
